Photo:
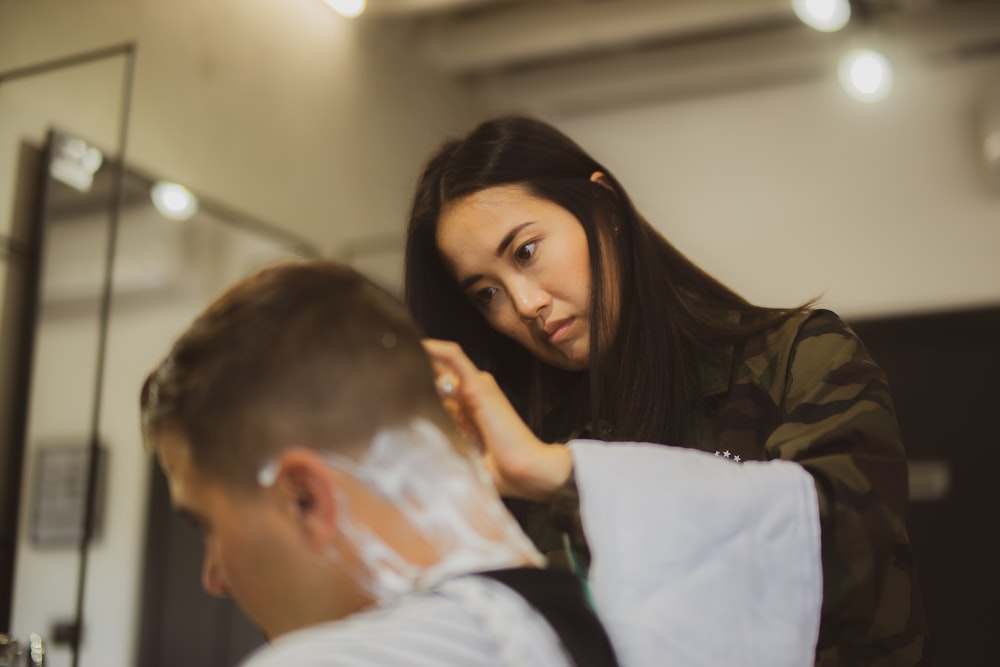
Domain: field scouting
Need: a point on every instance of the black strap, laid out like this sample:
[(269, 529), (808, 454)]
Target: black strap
[(558, 596)]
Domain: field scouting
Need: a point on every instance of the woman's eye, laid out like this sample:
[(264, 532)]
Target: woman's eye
[(526, 252), (484, 296)]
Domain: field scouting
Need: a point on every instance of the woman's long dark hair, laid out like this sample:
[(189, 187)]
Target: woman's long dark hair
[(643, 384)]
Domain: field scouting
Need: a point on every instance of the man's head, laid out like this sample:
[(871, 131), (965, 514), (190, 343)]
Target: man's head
[(306, 353), (298, 365)]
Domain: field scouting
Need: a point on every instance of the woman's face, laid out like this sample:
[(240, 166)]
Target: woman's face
[(524, 263)]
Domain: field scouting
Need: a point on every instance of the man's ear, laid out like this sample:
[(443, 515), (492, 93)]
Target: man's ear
[(305, 487)]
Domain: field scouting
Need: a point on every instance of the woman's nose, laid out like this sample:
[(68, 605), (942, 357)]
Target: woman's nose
[(530, 300)]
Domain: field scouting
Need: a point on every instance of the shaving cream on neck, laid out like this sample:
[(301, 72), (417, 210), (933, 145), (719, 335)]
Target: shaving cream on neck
[(446, 497)]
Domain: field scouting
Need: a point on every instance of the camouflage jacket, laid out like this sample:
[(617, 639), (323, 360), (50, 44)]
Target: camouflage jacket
[(809, 392)]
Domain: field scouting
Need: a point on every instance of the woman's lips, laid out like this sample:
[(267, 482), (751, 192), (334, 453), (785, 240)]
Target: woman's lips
[(559, 331)]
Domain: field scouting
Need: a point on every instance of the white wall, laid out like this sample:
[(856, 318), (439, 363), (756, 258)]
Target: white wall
[(283, 109), (796, 191)]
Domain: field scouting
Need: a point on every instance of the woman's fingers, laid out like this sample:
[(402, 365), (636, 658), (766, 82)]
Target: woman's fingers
[(521, 464), (480, 397), (451, 357), (447, 382)]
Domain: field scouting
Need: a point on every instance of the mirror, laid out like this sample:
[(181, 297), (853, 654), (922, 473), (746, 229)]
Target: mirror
[(112, 293), (89, 92)]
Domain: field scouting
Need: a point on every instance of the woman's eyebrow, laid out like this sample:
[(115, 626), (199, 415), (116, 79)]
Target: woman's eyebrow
[(509, 237), (470, 281)]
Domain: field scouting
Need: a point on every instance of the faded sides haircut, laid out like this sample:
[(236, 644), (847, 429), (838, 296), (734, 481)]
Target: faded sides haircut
[(299, 354)]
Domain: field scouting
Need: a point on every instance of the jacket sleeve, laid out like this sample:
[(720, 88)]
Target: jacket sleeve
[(838, 423)]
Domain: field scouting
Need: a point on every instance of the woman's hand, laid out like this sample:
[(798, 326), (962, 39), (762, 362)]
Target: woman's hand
[(522, 465)]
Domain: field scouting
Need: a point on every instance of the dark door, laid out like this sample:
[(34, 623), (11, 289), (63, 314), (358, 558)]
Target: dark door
[(944, 372)]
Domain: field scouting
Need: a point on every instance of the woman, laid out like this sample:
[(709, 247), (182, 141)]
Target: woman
[(530, 256)]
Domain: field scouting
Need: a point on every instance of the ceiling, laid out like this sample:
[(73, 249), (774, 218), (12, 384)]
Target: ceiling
[(568, 55)]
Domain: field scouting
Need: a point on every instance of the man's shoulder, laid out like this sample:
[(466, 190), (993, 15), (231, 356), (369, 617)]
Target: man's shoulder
[(467, 621), (426, 629)]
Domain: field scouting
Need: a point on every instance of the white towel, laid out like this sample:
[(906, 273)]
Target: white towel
[(699, 561)]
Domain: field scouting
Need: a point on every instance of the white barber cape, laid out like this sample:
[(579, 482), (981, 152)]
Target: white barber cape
[(699, 561), (467, 621)]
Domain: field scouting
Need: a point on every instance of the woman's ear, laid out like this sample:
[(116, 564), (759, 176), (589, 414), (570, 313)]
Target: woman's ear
[(599, 177), (306, 490)]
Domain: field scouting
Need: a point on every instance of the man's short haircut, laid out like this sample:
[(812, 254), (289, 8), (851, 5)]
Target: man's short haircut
[(310, 354)]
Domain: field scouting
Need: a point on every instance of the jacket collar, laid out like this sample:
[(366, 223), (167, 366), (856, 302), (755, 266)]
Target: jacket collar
[(715, 372)]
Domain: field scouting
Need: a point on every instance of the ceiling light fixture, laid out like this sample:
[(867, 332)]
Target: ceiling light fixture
[(173, 201), (347, 8), (823, 15), (866, 75)]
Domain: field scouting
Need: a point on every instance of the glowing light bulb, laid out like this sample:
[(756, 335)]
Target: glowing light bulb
[(823, 15), (347, 8), (866, 75), (173, 200)]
